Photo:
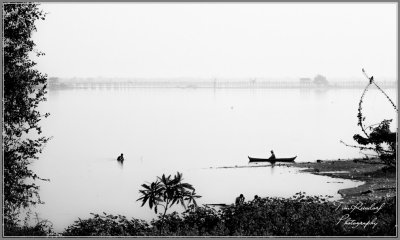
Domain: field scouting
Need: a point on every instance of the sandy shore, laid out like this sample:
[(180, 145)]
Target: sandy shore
[(379, 180)]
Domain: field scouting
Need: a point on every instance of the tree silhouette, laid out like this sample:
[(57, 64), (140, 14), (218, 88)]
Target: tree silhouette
[(24, 89), (378, 137), (166, 192)]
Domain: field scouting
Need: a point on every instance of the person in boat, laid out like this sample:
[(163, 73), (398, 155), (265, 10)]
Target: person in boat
[(272, 155), (121, 158), (239, 200)]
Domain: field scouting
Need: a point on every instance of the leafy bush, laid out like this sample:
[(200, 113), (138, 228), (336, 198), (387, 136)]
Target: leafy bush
[(42, 228), (108, 225), (205, 220), (299, 215), (195, 221), (383, 140)]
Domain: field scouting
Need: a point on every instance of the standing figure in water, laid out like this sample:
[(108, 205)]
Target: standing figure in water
[(120, 158)]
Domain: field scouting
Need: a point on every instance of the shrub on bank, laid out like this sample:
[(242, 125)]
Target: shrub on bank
[(42, 228), (108, 225), (297, 216), (195, 221)]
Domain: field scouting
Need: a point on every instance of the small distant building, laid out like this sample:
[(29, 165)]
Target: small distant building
[(320, 80)]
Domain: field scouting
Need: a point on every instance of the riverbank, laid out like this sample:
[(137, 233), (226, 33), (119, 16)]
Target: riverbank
[(379, 181)]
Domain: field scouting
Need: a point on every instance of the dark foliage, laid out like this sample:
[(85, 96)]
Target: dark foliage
[(24, 89), (166, 192), (205, 220), (297, 216), (383, 141), (42, 228), (378, 139), (108, 225)]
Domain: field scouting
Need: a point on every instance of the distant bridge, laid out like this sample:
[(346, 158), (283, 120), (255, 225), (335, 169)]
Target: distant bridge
[(218, 84)]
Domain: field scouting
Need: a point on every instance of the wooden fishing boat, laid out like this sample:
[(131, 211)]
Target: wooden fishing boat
[(272, 160)]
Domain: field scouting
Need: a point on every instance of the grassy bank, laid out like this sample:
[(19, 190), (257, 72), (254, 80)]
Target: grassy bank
[(379, 181), (299, 215)]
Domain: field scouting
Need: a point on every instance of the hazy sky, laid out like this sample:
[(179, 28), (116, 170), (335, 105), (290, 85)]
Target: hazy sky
[(218, 40)]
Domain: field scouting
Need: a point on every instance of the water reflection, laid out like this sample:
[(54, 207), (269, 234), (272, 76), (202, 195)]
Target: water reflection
[(321, 93), (272, 168), (121, 160), (121, 164)]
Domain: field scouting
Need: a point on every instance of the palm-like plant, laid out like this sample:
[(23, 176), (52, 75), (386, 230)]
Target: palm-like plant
[(152, 194), (166, 192)]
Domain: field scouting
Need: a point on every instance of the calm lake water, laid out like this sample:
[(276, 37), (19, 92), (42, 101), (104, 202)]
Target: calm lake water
[(203, 133)]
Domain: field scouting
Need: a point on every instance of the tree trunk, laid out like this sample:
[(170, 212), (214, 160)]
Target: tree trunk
[(163, 217)]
